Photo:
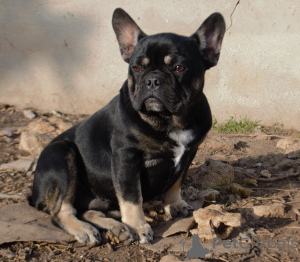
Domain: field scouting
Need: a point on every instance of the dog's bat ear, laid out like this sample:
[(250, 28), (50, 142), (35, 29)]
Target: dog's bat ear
[(209, 36), (127, 31)]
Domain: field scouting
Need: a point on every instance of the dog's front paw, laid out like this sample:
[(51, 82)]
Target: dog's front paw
[(145, 233), (87, 235), (119, 233), (177, 209)]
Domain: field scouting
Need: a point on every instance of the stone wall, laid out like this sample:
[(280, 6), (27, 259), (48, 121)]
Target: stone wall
[(63, 55)]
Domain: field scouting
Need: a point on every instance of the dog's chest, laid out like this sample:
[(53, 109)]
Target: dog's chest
[(182, 139)]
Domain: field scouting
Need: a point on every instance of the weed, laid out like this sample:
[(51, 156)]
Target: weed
[(244, 125)]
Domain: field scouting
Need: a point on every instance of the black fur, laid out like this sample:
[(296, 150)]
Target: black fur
[(126, 144)]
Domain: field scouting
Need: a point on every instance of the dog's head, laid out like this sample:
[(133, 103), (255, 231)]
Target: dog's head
[(166, 71)]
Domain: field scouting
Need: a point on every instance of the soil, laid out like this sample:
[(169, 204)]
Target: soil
[(246, 153)]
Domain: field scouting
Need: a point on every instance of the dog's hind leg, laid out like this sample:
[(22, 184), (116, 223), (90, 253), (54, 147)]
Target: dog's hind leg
[(54, 190), (82, 231)]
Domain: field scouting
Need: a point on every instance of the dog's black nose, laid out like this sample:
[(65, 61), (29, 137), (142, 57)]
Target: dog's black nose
[(154, 82)]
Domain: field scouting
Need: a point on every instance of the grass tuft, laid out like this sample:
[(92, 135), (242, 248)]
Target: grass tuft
[(244, 125)]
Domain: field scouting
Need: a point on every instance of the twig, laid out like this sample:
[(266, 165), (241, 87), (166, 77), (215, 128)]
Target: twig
[(270, 257), (273, 178), (5, 196), (296, 211), (12, 144), (223, 259), (246, 257), (279, 189)]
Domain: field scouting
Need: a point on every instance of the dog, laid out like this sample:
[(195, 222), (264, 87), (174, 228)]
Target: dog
[(140, 145)]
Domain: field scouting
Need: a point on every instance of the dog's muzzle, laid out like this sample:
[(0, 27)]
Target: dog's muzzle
[(153, 105)]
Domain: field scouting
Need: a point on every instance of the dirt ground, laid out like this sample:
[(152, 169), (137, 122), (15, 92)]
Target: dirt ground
[(248, 154)]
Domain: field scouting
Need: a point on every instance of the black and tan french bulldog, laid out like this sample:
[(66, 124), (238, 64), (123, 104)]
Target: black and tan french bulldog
[(140, 145)]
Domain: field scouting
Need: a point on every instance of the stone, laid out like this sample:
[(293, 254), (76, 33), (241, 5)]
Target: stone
[(173, 226), (63, 125), (34, 143), (6, 132), (180, 226), (265, 173), (294, 155), (20, 165), (213, 174), (250, 181), (214, 222), (288, 144), (240, 190), (269, 210), (170, 258), (192, 193), (40, 126), (56, 113), (209, 194), (29, 114), (287, 164), (21, 222)]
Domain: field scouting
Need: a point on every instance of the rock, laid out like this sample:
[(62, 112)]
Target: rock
[(63, 125), (294, 155), (21, 222), (209, 194), (179, 226), (40, 126), (250, 181), (56, 113), (270, 210), (6, 132), (289, 144), (20, 165), (214, 222), (29, 114), (265, 173), (240, 145), (258, 165), (192, 193), (247, 161), (231, 199), (213, 174), (240, 190), (287, 164), (251, 171), (34, 143), (219, 143), (170, 258)]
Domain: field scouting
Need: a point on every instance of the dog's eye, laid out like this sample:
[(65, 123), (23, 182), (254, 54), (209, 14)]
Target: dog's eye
[(179, 68), (136, 69)]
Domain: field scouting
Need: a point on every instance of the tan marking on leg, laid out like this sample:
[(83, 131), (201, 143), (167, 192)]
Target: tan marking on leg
[(82, 231), (133, 216), (173, 195), (173, 203)]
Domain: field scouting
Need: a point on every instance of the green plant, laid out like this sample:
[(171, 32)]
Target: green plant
[(244, 125)]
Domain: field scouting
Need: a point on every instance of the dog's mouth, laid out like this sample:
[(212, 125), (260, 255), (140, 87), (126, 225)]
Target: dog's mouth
[(153, 105)]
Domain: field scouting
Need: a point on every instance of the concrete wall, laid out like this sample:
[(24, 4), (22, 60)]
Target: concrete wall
[(63, 55)]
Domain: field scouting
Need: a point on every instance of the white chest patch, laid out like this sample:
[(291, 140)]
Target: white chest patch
[(182, 138)]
